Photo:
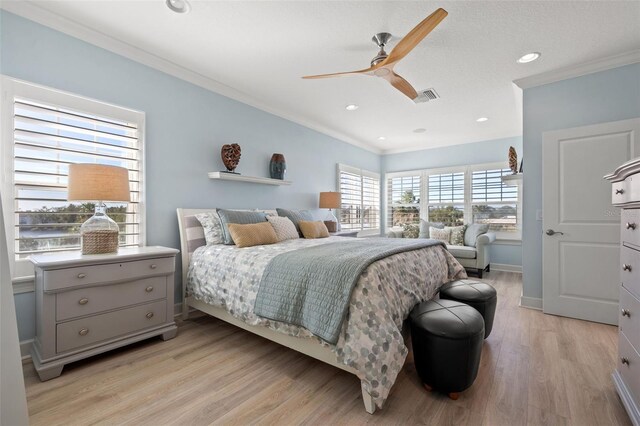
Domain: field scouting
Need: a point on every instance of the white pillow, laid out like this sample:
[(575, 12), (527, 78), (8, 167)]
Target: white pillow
[(212, 226), (284, 227), (443, 235)]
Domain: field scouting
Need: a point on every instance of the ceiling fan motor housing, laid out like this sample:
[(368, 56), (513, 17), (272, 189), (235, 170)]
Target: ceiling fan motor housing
[(380, 39)]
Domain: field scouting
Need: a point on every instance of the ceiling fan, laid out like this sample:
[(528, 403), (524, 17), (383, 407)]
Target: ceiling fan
[(383, 63)]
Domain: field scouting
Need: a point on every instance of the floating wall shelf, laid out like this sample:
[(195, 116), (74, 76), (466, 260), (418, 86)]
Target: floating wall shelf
[(512, 180), (248, 179)]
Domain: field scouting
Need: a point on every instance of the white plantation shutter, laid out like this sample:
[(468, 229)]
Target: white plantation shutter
[(47, 138), (404, 196), (493, 202), (487, 187), (446, 188), (360, 189)]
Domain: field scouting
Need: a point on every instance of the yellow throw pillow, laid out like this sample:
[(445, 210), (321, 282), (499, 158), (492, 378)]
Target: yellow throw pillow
[(313, 229), (254, 234)]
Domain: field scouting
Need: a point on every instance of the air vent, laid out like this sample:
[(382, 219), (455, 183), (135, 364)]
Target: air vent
[(426, 95)]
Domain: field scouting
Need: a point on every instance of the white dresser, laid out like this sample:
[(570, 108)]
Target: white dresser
[(90, 304), (626, 195)]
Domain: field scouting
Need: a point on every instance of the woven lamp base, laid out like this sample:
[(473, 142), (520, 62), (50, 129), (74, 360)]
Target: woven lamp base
[(100, 241)]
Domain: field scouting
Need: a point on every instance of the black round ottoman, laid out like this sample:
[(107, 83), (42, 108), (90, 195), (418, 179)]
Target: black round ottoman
[(447, 341), (481, 296)]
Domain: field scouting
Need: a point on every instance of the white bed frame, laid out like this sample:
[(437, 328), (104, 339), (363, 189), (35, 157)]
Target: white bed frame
[(300, 344)]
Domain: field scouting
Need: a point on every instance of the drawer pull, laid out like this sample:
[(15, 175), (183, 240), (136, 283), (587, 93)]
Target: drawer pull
[(83, 332), (631, 226), (619, 191), (149, 315), (83, 301), (625, 313), (153, 266), (624, 360), (149, 289), (626, 267), (81, 275)]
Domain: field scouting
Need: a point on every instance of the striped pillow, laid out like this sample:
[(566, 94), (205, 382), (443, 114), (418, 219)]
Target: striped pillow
[(254, 234), (237, 216)]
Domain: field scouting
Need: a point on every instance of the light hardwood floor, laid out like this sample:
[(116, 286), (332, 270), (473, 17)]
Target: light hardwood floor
[(535, 369)]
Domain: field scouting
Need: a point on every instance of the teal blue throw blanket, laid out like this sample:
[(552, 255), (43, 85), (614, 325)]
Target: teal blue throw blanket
[(311, 287)]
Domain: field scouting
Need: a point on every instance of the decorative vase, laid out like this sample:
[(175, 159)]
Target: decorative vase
[(513, 160), (231, 156), (277, 166)]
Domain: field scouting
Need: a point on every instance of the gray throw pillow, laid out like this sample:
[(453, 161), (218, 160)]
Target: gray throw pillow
[(472, 233), (238, 216), (296, 216), (424, 228)]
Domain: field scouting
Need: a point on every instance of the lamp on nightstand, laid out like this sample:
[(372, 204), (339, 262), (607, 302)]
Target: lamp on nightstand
[(98, 183), (331, 200)]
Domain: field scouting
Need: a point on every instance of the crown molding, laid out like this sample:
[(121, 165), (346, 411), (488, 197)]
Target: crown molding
[(32, 12), (578, 70)]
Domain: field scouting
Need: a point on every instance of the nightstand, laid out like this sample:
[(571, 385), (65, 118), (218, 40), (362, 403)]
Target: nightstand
[(352, 234), (86, 305)]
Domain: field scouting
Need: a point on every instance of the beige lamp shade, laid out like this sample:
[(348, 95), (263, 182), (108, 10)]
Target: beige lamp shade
[(330, 200), (98, 182)]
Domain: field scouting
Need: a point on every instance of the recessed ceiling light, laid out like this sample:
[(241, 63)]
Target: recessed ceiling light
[(482, 119), (420, 130), (351, 107), (381, 138), (529, 57), (179, 6)]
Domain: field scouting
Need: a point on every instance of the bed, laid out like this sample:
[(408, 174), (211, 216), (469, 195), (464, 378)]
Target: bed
[(222, 281)]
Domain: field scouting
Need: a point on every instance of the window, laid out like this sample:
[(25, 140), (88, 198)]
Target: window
[(403, 199), (455, 196), (492, 201), (51, 130), (446, 198), (360, 191)]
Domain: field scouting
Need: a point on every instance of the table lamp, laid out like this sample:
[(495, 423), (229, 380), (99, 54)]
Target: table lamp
[(330, 200), (98, 183)]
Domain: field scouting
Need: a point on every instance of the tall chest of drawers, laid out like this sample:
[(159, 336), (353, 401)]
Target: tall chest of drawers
[(626, 195), (86, 305)]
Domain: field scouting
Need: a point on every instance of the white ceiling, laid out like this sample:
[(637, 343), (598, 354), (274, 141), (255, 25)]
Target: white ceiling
[(263, 48)]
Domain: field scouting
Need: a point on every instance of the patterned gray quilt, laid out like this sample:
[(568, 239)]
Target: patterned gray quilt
[(311, 287), (370, 341)]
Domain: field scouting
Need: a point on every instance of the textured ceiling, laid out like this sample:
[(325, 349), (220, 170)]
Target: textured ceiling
[(263, 48)]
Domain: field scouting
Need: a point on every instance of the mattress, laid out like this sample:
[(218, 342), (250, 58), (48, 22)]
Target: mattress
[(370, 340)]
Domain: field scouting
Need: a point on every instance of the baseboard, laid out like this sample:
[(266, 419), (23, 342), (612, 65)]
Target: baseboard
[(25, 345), (505, 267), (531, 303), (25, 349)]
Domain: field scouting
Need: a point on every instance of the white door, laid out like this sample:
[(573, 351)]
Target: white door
[(581, 230)]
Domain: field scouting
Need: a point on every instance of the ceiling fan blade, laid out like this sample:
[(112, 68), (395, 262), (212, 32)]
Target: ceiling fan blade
[(415, 36), (338, 74), (402, 85)]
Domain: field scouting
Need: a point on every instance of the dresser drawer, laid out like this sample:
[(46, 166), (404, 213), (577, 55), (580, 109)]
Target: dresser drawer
[(91, 300), (630, 233), (629, 371), (93, 274), (630, 270), (629, 318), (85, 331), (619, 193)]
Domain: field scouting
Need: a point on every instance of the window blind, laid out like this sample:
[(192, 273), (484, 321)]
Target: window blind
[(446, 188), (360, 208), (47, 138), (487, 187)]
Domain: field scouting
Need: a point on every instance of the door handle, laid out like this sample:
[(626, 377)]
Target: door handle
[(552, 232)]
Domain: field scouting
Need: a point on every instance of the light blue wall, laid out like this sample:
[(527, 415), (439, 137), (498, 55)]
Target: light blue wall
[(596, 98), (490, 151), (185, 127)]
